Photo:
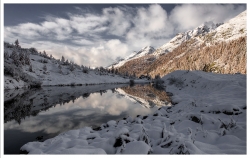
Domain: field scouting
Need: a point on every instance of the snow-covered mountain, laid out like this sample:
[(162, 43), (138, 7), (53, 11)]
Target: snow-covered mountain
[(208, 32), (176, 54), (201, 30), (144, 51)]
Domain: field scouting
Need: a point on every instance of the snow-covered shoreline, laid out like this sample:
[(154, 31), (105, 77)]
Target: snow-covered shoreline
[(209, 117)]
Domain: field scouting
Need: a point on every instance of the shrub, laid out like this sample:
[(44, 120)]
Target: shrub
[(158, 82), (30, 68), (33, 51), (8, 70), (6, 55), (44, 67), (227, 125), (131, 82), (43, 60), (71, 67), (16, 76), (35, 84), (176, 81)]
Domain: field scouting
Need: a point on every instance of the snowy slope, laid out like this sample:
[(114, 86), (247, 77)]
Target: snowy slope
[(144, 51), (201, 30), (53, 75), (233, 29), (208, 117)]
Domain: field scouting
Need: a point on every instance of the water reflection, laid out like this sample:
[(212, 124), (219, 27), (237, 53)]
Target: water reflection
[(41, 114), (150, 95)]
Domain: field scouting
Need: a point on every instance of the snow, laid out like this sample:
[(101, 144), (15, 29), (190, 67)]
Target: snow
[(53, 77), (203, 29), (208, 116), (144, 51), (233, 29)]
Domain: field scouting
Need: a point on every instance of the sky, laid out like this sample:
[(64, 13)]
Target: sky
[(98, 34)]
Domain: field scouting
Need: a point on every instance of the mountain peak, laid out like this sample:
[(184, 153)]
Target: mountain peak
[(146, 50)]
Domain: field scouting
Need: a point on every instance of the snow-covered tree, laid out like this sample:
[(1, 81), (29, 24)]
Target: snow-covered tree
[(45, 54), (116, 71), (27, 58), (21, 57), (85, 70), (67, 62), (33, 50), (112, 69), (30, 68), (15, 58), (45, 67), (13, 55), (16, 76), (63, 59), (6, 55), (17, 43), (71, 67)]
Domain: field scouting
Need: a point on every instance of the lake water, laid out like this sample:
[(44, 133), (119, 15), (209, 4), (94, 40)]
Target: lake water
[(40, 114)]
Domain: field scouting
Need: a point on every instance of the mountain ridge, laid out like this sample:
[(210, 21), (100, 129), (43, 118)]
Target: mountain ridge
[(232, 32)]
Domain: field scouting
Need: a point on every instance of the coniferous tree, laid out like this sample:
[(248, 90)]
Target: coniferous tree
[(27, 59), (63, 59), (44, 54), (67, 62), (13, 55), (71, 67), (17, 43), (112, 69), (21, 57), (6, 55), (15, 58), (30, 68), (60, 68), (45, 67)]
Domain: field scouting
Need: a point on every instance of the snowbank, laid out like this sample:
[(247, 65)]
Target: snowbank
[(208, 117)]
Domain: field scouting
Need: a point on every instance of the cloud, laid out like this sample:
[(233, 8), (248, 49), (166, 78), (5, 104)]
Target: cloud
[(119, 20), (151, 26), (189, 16), (82, 42), (105, 53), (97, 39)]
